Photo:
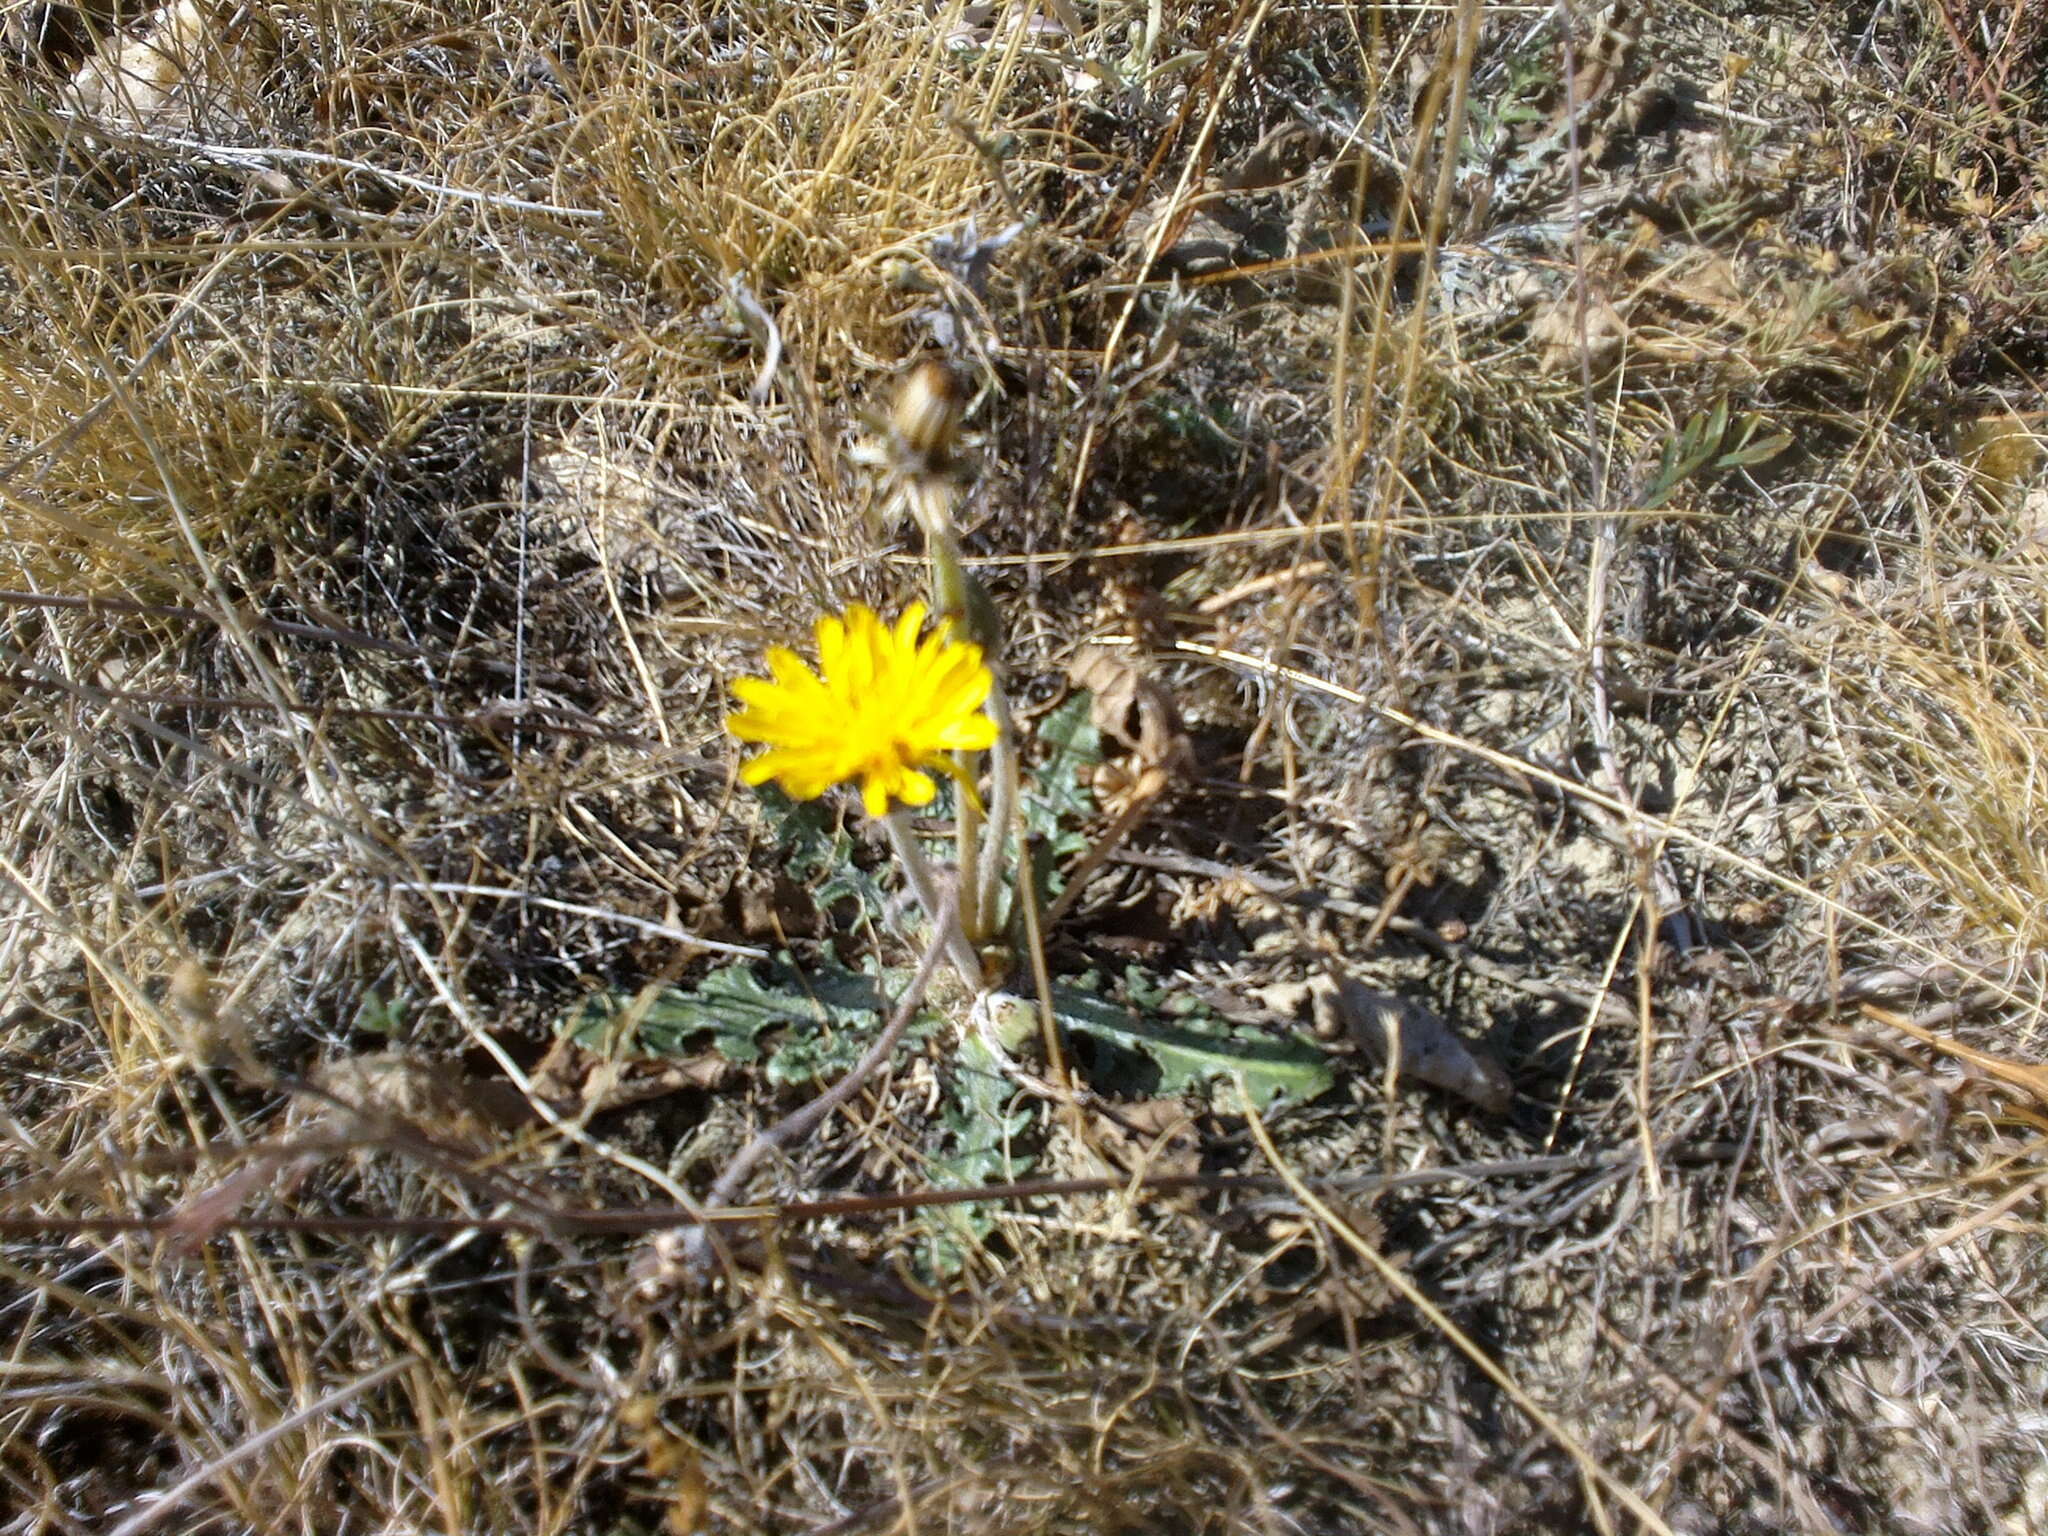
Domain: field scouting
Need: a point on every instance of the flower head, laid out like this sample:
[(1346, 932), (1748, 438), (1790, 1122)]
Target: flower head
[(883, 707)]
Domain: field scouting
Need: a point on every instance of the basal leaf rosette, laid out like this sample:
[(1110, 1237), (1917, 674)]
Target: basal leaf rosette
[(885, 708)]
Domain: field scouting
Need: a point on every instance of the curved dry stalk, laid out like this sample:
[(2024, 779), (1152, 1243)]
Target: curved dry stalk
[(152, 1515), (697, 1244), (802, 1121)]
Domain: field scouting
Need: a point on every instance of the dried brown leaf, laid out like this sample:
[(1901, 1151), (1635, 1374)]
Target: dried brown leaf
[(1421, 1046), (1132, 710)]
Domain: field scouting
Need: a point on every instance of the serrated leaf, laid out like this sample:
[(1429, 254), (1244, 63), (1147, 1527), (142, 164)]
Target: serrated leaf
[(816, 1023), (983, 1129), (1058, 794), (816, 849), (1191, 1046), (812, 838), (981, 1122)]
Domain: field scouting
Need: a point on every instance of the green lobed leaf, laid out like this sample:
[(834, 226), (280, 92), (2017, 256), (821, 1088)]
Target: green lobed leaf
[(804, 1025), (816, 849), (983, 1130), (1058, 794), (1191, 1046)]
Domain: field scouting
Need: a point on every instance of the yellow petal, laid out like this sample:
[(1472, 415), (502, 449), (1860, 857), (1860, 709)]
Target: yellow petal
[(874, 797), (914, 788), (790, 671), (833, 639), (908, 626), (973, 734)]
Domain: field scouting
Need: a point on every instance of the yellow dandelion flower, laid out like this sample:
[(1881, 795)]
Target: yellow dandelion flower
[(883, 707)]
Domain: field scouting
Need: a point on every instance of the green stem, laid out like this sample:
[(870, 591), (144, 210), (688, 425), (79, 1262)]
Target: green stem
[(987, 875), (924, 884), (975, 919), (957, 597)]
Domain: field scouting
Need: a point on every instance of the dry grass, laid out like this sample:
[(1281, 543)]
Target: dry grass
[(396, 471)]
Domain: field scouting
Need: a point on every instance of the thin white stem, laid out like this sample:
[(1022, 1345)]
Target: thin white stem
[(275, 155), (153, 1514), (641, 924)]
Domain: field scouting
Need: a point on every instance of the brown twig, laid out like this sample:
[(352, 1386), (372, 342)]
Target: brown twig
[(622, 1222), (1981, 80)]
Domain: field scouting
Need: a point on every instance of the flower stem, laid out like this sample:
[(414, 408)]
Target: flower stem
[(975, 919), (988, 872), (956, 595), (924, 884)]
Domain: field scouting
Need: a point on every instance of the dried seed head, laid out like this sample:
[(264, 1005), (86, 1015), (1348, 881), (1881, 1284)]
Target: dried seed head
[(191, 993), (209, 1037), (926, 416)]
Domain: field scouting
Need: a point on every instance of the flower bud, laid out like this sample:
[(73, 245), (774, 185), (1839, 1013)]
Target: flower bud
[(926, 415)]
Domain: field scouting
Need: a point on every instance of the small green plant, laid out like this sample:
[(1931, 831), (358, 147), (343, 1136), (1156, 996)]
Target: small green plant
[(1709, 441), (904, 713), (377, 1014)]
